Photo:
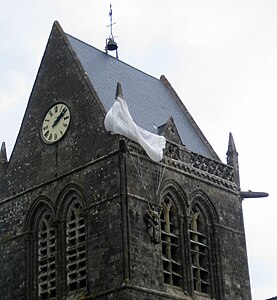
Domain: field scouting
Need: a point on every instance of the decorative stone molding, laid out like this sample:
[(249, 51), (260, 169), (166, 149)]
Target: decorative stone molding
[(179, 157)]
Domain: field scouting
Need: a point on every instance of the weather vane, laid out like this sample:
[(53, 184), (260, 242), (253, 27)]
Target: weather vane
[(111, 45)]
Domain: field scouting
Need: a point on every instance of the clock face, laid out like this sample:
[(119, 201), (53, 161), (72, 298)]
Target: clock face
[(55, 123)]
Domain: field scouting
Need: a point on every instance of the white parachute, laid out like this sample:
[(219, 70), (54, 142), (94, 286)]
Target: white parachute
[(119, 121)]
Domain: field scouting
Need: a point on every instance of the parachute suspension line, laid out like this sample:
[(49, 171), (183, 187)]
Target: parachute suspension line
[(139, 170), (161, 172), (160, 175)]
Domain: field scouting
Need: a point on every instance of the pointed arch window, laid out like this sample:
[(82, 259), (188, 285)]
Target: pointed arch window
[(170, 243), (46, 258), (199, 252), (75, 248)]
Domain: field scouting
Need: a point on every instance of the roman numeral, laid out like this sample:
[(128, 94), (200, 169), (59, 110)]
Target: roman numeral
[(46, 133), (44, 128), (50, 113), (56, 109), (64, 125), (65, 118)]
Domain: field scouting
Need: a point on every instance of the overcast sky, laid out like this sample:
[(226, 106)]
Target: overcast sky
[(219, 55)]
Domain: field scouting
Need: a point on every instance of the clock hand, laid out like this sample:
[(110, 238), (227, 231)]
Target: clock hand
[(59, 117)]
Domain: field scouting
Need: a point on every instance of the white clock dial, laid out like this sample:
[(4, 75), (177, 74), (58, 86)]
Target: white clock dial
[(55, 123)]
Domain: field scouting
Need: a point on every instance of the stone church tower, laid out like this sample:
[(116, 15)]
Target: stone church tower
[(88, 215)]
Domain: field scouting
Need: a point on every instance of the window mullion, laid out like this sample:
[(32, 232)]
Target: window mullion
[(170, 244), (46, 258), (76, 249), (199, 253)]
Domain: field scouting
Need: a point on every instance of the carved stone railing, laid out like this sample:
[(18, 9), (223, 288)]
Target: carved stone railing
[(181, 158), (213, 167)]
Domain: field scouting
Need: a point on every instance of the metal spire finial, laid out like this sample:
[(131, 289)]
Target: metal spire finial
[(111, 45), (111, 20)]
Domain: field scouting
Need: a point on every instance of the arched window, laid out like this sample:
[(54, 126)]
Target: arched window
[(170, 243), (75, 248), (199, 252), (46, 257)]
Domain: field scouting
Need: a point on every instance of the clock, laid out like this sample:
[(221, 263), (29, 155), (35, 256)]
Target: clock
[(55, 123)]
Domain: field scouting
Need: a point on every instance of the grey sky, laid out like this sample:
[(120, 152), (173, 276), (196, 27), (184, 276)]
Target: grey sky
[(219, 55)]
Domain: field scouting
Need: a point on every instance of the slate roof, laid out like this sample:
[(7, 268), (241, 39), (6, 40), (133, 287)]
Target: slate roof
[(150, 101)]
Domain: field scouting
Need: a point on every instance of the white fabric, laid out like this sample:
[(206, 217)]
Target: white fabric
[(119, 121)]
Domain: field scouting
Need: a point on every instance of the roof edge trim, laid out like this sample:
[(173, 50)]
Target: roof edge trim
[(80, 66), (167, 84)]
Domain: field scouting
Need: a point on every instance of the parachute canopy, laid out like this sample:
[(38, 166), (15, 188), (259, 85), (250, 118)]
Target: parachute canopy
[(119, 121)]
